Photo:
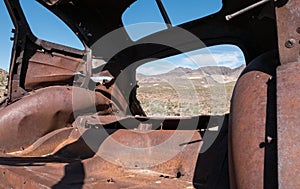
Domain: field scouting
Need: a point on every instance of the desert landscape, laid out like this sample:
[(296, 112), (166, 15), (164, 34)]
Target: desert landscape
[(3, 83), (187, 92), (180, 92)]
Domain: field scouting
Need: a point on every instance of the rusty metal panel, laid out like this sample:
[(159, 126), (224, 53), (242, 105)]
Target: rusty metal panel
[(19, 178), (46, 144), (247, 131), (288, 98), (288, 27), (46, 69), (104, 169), (42, 112), (168, 152)]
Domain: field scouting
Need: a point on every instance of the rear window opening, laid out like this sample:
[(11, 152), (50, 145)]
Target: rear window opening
[(53, 30), (144, 17), (190, 10), (196, 83)]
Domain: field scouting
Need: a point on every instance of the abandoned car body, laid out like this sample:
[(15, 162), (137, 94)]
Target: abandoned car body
[(60, 128)]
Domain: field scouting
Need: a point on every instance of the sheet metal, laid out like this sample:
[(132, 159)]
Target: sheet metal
[(288, 89), (288, 24), (42, 112), (247, 131), (95, 171), (46, 69)]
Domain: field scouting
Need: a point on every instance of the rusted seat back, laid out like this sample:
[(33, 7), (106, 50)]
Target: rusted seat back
[(251, 130)]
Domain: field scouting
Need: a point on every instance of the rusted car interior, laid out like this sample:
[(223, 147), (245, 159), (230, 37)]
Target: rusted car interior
[(60, 128)]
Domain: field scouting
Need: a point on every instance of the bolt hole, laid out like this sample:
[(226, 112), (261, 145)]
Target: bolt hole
[(262, 145), (164, 176), (111, 180), (179, 174), (298, 30)]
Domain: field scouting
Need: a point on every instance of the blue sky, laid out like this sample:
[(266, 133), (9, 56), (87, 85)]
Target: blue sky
[(178, 12), (221, 55), (42, 23), (5, 34)]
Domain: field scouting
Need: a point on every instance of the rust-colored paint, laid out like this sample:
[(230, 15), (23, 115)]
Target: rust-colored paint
[(43, 111), (46, 69), (288, 125), (96, 171), (288, 23), (247, 131), (288, 101), (46, 144)]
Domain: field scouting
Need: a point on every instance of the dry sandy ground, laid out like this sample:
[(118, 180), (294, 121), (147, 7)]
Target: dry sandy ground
[(165, 99)]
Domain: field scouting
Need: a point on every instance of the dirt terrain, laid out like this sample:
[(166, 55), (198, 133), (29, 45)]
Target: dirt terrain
[(186, 92), (3, 83)]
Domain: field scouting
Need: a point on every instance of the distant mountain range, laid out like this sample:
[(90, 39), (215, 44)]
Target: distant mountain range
[(206, 75)]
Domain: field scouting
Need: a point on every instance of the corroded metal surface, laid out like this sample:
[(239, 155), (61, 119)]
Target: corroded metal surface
[(58, 176), (90, 157), (288, 125), (99, 170), (252, 127), (288, 24), (84, 154), (41, 112), (46, 69), (247, 131), (46, 144), (288, 27), (170, 152)]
